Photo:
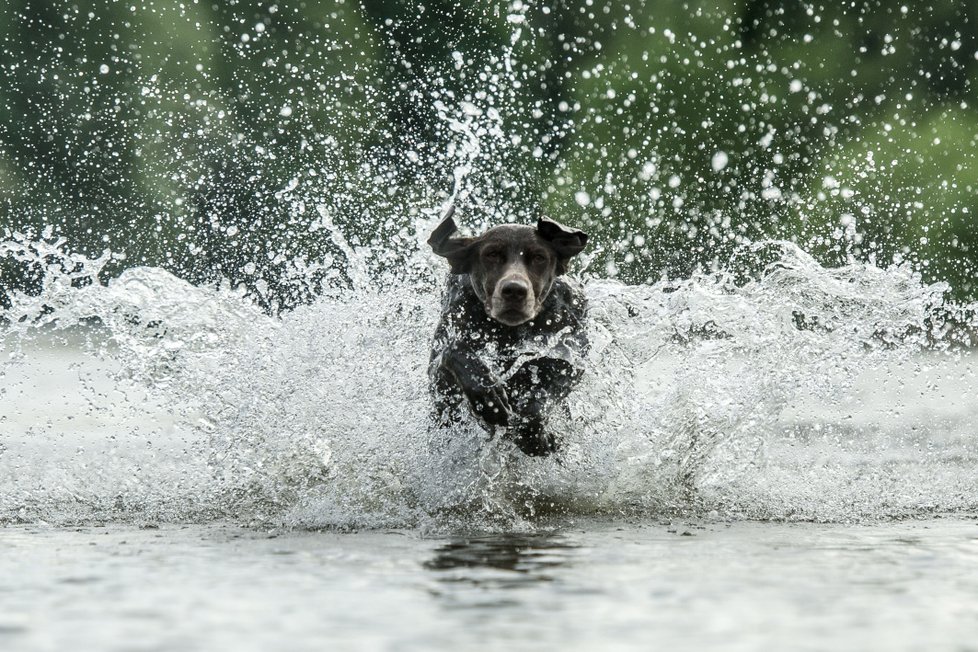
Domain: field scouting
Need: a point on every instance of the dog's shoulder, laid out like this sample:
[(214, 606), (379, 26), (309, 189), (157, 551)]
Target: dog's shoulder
[(461, 311), (459, 299), (569, 294), (565, 306), (457, 288)]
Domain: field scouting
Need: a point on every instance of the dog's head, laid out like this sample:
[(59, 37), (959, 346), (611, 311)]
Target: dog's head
[(511, 267)]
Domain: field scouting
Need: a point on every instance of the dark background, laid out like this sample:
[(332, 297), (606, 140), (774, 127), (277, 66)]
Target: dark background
[(236, 140)]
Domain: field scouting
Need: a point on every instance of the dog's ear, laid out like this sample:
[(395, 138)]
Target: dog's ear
[(458, 251), (567, 242)]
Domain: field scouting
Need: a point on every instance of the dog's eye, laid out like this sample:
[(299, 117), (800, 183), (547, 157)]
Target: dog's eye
[(494, 256), (538, 259)]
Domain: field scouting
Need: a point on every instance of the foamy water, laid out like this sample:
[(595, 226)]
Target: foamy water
[(794, 392)]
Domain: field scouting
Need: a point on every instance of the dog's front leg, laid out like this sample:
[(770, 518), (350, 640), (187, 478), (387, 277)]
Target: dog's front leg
[(541, 384), (535, 389), (486, 394)]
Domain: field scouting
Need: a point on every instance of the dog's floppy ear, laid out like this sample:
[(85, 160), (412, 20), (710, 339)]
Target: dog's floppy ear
[(567, 242), (458, 251)]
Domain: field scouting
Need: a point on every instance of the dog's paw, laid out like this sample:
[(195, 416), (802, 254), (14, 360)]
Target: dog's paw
[(533, 439), (490, 404)]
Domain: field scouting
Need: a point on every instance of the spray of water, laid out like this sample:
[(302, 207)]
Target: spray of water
[(320, 417), (224, 405)]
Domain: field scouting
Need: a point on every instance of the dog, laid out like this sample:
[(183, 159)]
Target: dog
[(511, 341)]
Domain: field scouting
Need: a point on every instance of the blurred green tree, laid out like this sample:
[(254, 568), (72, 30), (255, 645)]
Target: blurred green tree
[(261, 142)]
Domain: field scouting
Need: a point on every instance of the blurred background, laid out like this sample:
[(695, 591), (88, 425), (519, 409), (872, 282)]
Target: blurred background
[(230, 142)]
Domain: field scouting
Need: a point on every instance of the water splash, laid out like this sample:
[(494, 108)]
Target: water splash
[(320, 417), (769, 387)]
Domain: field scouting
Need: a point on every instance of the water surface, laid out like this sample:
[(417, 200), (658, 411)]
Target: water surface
[(586, 585)]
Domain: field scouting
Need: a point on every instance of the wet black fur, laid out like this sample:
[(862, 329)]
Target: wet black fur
[(467, 338)]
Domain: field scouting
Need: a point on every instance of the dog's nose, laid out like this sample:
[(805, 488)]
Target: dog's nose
[(514, 291)]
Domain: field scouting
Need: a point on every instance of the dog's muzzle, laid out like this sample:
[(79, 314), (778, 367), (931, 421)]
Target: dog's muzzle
[(513, 301)]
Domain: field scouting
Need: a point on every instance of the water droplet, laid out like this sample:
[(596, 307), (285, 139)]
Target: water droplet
[(719, 161)]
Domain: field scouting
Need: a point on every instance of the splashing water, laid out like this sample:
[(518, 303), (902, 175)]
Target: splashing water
[(770, 387), (320, 417)]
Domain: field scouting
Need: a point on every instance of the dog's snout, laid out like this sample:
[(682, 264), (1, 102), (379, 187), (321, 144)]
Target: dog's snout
[(512, 301), (514, 291)]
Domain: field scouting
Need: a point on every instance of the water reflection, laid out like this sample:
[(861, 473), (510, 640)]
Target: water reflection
[(499, 561)]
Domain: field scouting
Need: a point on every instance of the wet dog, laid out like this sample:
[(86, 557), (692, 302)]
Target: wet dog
[(511, 340)]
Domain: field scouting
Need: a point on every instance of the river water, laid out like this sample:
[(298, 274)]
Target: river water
[(585, 585), (768, 454)]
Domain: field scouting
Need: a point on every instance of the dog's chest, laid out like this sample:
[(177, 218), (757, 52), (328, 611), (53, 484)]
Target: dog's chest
[(503, 345)]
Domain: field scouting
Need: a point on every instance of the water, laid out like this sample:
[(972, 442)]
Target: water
[(588, 585), (764, 452), (186, 472), (778, 397)]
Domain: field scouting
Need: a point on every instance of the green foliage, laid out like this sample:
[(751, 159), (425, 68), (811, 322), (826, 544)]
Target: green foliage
[(899, 194), (231, 139)]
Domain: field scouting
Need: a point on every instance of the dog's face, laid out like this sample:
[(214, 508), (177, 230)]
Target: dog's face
[(512, 268)]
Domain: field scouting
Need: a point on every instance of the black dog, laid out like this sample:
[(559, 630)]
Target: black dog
[(511, 339)]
